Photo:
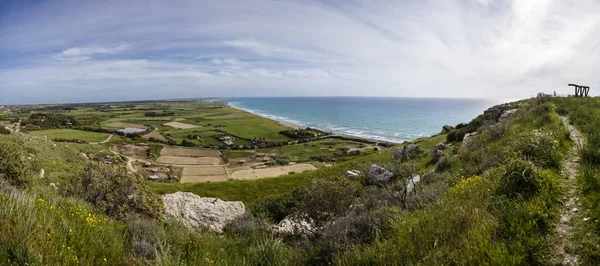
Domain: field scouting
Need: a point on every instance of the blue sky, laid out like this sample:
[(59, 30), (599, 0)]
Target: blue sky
[(80, 51)]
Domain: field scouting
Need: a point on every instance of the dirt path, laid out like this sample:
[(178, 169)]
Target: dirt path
[(565, 252), (104, 141)]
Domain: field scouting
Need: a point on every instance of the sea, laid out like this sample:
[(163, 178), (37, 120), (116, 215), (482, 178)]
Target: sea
[(377, 118)]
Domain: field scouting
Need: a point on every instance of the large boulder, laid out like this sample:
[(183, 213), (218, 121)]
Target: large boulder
[(405, 151), (198, 213), (437, 154), (295, 224), (411, 183), (467, 137), (447, 128), (378, 175)]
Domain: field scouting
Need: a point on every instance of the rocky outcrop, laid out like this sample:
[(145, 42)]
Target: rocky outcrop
[(446, 129), (350, 174), (506, 114), (198, 213), (411, 183), (295, 224), (405, 151), (467, 137), (440, 146), (437, 154), (377, 175)]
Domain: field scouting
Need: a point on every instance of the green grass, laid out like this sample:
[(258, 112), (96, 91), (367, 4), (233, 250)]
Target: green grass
[(251, 191), (584, 113), (72, 134)]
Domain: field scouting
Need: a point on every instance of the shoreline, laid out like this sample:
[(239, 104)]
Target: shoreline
[(333, 135)]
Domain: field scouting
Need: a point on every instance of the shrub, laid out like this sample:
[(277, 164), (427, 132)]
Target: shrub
[(354, 229), (456, 135), (247, 226), (276, 208), (443, 164), (146, 237), (118, 193), (325, 199), (13, 165), (520, 177), (4, 131)]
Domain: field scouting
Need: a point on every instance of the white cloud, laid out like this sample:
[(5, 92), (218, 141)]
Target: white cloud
[(85, 53), (451, 48)]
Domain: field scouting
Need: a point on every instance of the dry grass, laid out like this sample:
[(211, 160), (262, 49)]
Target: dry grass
[(272, 172)]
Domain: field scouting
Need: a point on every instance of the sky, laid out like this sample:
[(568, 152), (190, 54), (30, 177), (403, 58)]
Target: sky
[(54, 51)]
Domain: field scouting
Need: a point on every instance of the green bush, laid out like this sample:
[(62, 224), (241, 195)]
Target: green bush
[(325, 199), (519, 177), (13, 165), (118, 193)]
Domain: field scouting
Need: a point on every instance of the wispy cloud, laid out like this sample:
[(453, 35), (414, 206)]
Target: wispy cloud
[(114, 50), (85, 53)]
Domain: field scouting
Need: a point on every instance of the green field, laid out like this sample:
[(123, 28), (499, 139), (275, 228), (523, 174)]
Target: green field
[(72, 134)]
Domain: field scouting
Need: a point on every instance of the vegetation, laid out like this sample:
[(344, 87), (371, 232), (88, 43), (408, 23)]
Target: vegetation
[(493, 199), (584, 113), (71, 134)]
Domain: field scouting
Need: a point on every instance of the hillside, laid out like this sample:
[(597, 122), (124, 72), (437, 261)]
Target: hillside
[(487, 192)]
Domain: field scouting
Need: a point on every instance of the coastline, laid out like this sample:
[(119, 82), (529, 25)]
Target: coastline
[(334, 135)]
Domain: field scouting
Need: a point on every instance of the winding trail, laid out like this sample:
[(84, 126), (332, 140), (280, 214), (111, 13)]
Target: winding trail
[(565, 252)]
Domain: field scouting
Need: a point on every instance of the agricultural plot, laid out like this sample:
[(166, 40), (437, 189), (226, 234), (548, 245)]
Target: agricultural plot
[(203, 174), (132, 150), (271, 172), (72, 134), (155, 135), (303, 152), (178, 160), (179, 125), (185, 152)]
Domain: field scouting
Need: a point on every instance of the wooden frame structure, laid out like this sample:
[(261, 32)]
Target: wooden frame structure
[(581, 91)]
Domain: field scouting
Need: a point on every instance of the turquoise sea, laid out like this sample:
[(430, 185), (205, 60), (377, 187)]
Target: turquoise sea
[(388, 119)]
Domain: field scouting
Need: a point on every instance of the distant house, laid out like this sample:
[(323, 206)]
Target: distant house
[(228, 140), (147, 164), (240, 162), (153, 177)]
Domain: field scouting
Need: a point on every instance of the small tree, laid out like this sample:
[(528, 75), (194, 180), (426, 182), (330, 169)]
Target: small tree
[(13, 165), (118, 193)]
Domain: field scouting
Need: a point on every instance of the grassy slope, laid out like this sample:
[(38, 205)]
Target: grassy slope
[(72, 134), (474, 222), (250, 191)]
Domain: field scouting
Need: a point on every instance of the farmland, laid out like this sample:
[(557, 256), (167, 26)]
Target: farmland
[(72, 134), (188, 141)]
